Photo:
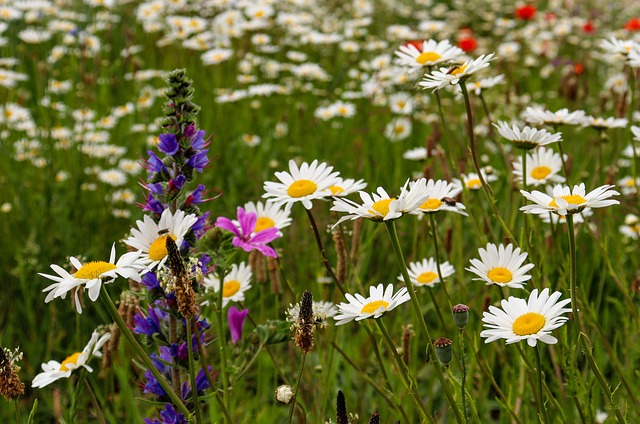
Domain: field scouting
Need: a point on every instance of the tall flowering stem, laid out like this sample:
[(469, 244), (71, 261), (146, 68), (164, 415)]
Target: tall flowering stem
[(572, 275), (393, 235), (323, 252), (192, 374), (294, 401), (474, 156), (222, 345), (432, 221), (113, 311), (541, 408)]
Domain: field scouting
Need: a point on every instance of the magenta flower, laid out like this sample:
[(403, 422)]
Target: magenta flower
[(236, 319), (244, 233)]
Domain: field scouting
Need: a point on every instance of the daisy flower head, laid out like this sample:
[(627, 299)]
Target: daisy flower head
[(344, 187), (543, 167), (303, 184), (425, 272), (322, 310), (245, 235), (478, 86), (629, 185), (398, 129), (451, 76), (633, 60), (501, 265), (234, 284), (54, 370), (269, 215), (441, 198), (536, 115), (617, 47), (631, 227), (604, 123), (92, 274), (472, 180), (529, 320), (380, 300), (380, 206), (419, 153), (565, 200), (426, 53), (151, 237), (528, 138)]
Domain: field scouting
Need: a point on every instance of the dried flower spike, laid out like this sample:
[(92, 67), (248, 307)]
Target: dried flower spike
[(304, 326), (185, 296), (10, 385)]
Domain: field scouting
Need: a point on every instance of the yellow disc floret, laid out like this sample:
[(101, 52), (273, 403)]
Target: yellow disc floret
[(427, 57), (540, 172), (230, 288), (529, 323), (371, 307), (158, 249), (427, 277), (264, 223), (431, 204), (93, 270), (71, 359), (301, 188), (500, 275), (382, 206), (572, 199)]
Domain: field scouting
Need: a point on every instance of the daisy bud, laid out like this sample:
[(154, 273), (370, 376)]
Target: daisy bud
[(460, 315), (304, 326), (284, 394), (444, 351), (341, 409)]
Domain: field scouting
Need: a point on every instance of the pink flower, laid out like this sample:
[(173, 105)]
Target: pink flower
[(236, 318), (244, 233)]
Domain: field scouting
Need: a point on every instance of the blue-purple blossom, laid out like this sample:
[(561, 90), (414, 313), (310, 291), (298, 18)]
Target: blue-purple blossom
[(150, 281), (168, 144), (199, 161), (149, 324), (168, 416), (245, 238), (177, 182), (155, 164), (153, 205)]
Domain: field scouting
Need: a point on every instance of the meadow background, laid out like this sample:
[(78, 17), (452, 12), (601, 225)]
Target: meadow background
[(81, 89)]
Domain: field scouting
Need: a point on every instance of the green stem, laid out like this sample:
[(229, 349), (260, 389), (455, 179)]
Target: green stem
[(572, 275), (432, 221), (323, 252), (409, 382), (525, 240), (474, 156), (393, 235), (222, 348), (542, 410), (294, 401), (113, 311), (95, 403), (463, 364), (594, 367), (192, 373)]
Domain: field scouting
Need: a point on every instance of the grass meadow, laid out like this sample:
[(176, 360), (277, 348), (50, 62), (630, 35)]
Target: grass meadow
[(414, 97)]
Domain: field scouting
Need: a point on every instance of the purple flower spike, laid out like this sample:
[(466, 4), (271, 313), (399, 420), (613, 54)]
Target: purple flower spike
[(199, 160), (168, 144), (236, 319), (244, 235), (154, 163)]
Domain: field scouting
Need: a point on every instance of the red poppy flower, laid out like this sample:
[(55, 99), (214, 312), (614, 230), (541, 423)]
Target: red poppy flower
[(526, 12), (415, 43), (588, 27), (632, 24), (468, 44)]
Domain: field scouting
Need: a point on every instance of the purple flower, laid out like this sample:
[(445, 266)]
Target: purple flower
[(168, 416), (196, 196), (150, 324), (236, 319), (199, 160), (155, 164), (244, 236), (168, 144), (150, 281), (153, 205), (196, 137), (155, 188), (177, 182)]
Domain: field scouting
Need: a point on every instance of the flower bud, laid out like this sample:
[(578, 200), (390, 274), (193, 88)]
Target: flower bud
[(284, 394), (444, 351), (460, 315)]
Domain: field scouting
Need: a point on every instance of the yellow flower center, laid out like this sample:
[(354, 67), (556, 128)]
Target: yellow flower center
[(371, 307), (93, 270), (474, 184), (427, 57), (431, 204), (158, 249), (398, 129), (301, 188), (572, 199), (427, 277), (230, 288), (382, 206), (630, 183), (264, 223), (459, 70), (540, 172), (529, 323), (500, 275), (71, 359), (336, 190)]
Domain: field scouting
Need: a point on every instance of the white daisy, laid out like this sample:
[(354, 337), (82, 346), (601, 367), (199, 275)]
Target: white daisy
[(441, 198), (445, 76), (539, 116), (566, 201), (604, 123), (380, 300), (235, 283), (268, 215), (398, 129), (151, 237), (502, 266), (633, 60), (616, 46), (53, 370), (552, 218), (472, 181), (321, 311), (431, 53), (419, 153), (629, 185), (344, 187), (543, 167), (484, 83), (303, 184), (631, 227), (530, 320), (528, 138), (92, 275), (425, 272), (382, 207)]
